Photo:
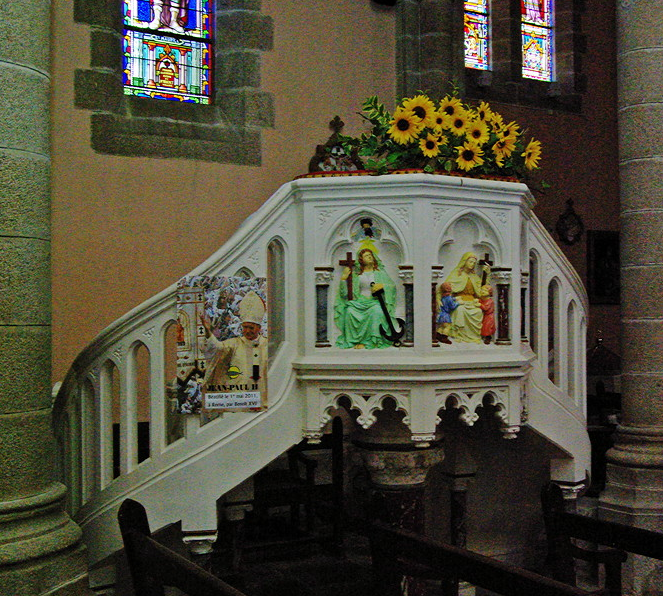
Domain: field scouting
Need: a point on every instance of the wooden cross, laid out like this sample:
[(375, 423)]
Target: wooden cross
[(482, 262), (348, 262)]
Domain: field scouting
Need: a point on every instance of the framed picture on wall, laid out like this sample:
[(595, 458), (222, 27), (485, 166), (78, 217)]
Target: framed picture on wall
[(603, 266)]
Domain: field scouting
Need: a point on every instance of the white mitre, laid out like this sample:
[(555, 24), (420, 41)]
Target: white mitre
[(252, 308)]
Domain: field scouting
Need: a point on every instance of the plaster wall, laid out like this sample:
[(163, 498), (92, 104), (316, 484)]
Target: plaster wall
[(124, 228)]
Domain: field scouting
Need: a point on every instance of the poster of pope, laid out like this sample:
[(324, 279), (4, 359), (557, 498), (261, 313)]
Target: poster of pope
[(225, 368)]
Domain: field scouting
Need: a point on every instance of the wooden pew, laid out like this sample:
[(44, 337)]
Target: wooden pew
[(615, 540), (153, 566), (398, 553)]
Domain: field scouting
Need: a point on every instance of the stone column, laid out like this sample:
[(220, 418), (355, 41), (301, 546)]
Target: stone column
[(397, 469), (634, 487), (40, 551)]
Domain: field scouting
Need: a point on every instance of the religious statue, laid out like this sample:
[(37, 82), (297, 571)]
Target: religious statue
[(488, 307), (467, 288), (365, 304), (446, 304)]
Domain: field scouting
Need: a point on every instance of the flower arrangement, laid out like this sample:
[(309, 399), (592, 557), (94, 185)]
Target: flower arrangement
[(450, 137)]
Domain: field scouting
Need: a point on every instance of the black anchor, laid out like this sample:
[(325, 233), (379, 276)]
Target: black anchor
[(395, 336)]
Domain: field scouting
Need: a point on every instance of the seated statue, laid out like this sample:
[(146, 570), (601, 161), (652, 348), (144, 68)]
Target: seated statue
[(467, 318), (360, 319)]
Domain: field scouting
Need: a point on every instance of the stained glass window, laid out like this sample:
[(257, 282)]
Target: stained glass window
[(477, 34), (538, 44), (168, 49)]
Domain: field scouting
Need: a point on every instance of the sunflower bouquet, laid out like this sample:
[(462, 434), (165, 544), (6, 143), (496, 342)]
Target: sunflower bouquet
[(450, 137)]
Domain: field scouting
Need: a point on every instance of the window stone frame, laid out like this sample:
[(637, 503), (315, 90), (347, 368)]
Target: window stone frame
[(429, 42), (226, 131)]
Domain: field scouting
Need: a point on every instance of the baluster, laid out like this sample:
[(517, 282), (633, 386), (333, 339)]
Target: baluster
[(128, 417), (158, 397), (524, 301), (563, 340), (582, 364), (534, 305), (104, 409), (571, 352), (75, 430), (90, 448)]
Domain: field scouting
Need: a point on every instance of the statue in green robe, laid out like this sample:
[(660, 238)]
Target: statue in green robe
[(360, 319)]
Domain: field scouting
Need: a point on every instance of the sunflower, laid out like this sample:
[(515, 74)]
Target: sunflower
[(478, 131), (496, 120), (532, 154), (450, 106), (469, 156), (504, 147), (430, 145), (439, 120), (458, 122), (422, 107), (509, 130), (405, 126), (483, 112)]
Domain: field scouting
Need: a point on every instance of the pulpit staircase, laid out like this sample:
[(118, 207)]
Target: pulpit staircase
[(533, 372)]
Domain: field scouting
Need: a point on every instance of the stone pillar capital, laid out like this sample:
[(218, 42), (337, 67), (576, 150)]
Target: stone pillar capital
[(391, 466)]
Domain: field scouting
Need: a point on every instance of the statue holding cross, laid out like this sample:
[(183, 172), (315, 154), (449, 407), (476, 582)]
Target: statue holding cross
[(364, 308)]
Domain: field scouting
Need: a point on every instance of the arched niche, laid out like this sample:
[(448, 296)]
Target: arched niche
[(554, 331), (140, 373), (111, 423), (173, 424), (534, 294), (469, 232), (276, 294), (350, 236)]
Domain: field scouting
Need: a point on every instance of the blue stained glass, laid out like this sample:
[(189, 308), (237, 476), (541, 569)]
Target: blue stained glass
[(144, 11), (167, 49), (191, 15)]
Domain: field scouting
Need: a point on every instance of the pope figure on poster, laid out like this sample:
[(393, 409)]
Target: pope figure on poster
[(239, 364)]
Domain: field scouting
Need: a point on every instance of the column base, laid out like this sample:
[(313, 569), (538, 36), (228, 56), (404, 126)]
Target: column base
[(634, 496), (40, 548)]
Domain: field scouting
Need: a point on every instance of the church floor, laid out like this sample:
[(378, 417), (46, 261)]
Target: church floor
[(300, 568)]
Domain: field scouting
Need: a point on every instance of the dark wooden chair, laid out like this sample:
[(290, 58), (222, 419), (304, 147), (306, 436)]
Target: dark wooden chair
[(613, 541), (154, 566)]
